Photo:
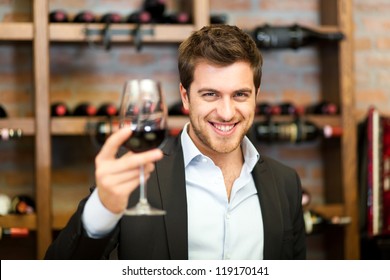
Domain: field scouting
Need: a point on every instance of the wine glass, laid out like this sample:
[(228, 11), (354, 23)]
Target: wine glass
[(143, 109)]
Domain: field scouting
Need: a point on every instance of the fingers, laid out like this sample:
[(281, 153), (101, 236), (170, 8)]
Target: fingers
[(114, 179), (113, 143), (117, 178), (115, 188), (135, 160)]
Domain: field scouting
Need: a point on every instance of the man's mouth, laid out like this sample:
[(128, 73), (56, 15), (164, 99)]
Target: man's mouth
[(223, 127)]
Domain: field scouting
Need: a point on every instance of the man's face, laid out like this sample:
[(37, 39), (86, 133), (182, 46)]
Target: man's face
[(221, 104)]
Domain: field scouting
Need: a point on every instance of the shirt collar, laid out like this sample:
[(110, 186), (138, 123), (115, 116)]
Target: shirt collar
[(190, 151)]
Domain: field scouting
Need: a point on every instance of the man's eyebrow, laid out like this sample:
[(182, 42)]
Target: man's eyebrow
[(244, 90), (207, 90), (215, 90)]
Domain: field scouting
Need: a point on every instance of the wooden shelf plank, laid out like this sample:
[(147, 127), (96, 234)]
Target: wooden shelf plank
[(329, 210), (77, 32), (74, 125), (85, 125), (60, 219), (325, 29), (80, 125), (162, 33), (27, 125), (16, 31), (28, 221)]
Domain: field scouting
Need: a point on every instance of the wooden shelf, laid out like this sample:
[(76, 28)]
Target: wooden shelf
[(325, 29), (16, 31), (326, 210), (151, 33), (83, 125), (60, 219), (27, 125), (329, 210), (336, 64), (161, 33), (28, 221)]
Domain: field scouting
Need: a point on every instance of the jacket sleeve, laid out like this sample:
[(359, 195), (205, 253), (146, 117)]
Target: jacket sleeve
[(74, 243)]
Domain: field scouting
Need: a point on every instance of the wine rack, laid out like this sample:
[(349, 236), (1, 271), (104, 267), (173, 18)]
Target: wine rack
[(336, 66)]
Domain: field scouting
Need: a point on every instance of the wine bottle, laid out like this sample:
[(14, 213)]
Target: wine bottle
[(59, 109), (3, 112), (155, 8), (58, 16), (14, 232), (218, 18), (322, 108), (306, 198), (315, 222), (5, 204), (177, 18), (287, 108), (111, 18), (178, 109), (85, 109), (107, 109), (295, 132), (293, 36), (85, 17), (263, 109), (22, 204), (10, 133), (139, 17), (141, 141)]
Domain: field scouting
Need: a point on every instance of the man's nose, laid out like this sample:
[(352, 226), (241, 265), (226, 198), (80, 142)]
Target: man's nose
[(226, 109)]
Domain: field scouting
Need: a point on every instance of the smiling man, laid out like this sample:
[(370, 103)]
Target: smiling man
[(223, 199), (221, 107)]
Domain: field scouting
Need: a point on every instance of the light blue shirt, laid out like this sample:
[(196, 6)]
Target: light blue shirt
[(217, 228)]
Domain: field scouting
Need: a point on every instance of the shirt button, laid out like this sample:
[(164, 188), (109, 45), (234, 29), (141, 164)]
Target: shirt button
[(227, 257), (204, 160), (227, 216)]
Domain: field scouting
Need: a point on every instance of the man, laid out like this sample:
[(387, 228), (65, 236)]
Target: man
[(223, 200)]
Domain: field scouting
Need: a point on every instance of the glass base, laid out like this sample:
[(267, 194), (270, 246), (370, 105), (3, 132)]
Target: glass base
[(144, 209)]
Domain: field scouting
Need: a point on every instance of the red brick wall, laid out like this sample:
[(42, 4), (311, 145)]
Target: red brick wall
[(372, 55)]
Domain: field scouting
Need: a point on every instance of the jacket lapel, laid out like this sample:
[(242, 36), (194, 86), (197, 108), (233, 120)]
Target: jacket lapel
[(171, 180), (270, 210)]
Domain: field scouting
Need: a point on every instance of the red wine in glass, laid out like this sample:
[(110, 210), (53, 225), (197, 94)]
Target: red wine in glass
[(144, 111), (141, 141)]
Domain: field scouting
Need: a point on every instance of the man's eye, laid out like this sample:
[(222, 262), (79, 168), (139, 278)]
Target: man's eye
[(206, 94), (241, 95)]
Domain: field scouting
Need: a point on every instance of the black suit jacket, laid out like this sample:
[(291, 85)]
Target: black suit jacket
[(165, 237)]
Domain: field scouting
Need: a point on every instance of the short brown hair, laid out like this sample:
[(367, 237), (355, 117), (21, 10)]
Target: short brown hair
[(221, 45)]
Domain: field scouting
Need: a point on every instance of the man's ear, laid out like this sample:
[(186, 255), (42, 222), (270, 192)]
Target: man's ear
[(184, 97)]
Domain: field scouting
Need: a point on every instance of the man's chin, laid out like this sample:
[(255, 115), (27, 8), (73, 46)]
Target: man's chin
[(224, 148)]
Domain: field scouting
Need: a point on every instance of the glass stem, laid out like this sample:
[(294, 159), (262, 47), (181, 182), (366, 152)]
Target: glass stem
[(142, 190)]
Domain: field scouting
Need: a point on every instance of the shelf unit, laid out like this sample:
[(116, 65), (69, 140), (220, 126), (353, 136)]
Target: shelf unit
[(336, 65), (338, 84)]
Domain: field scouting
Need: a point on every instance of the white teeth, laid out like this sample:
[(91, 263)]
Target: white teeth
[(223, 128)]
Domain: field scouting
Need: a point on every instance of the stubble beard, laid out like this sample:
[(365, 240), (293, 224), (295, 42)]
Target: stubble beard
[(221, 145)]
